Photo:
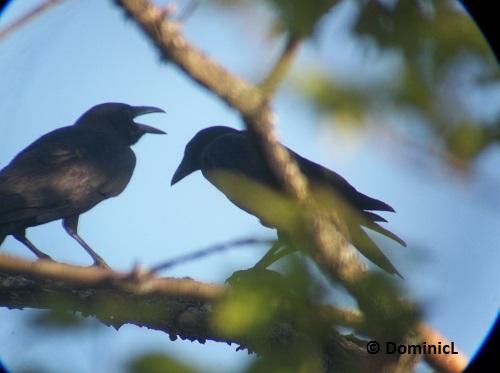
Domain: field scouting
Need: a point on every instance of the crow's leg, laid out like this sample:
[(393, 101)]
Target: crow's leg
[(282, 247), (274, 254), (21, 237), (271, 256), (70, 224)]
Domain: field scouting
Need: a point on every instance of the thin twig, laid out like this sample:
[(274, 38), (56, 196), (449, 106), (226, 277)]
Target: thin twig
[(208, 251), (28, 16), (269, 85)]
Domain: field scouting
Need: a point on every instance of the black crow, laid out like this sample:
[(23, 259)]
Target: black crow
[(231, 161), (70, 170)]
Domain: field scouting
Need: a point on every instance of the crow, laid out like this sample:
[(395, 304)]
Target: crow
[(70, 170), (232, 162)]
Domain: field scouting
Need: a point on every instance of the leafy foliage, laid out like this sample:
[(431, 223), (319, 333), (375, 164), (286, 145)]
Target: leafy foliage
[(436, 41), (158, 363), (300, 16), (437, 46)]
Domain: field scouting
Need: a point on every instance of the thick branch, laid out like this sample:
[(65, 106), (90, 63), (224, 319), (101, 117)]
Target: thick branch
[(180, 307), (176, 306), (332, 252), (237, 93), (331, 249), (172, 45)]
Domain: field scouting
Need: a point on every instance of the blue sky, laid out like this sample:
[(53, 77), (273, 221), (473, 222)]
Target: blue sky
[(85, 52)]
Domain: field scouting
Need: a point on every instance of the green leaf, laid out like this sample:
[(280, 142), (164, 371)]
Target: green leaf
[(158, 363), (300, 16)]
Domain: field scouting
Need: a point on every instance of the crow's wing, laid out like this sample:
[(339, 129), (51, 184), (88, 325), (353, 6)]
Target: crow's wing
[(64, 172), (232, 165), (319, 174), (236, 153)]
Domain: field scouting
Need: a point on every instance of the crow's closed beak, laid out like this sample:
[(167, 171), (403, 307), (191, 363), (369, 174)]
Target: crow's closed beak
[(182, 171)]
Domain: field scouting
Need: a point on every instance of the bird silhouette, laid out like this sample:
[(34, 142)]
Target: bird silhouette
[(70, 170), (232, 162)]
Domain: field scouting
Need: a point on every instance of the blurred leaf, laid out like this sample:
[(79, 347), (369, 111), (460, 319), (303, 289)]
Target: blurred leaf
[(281, 307), (259, 297), (443, 57), (413, 90), (242, 313), (300, 16), (417, 26), (59, 316), (295, 361), (158, 363), (468, 140), (255, 277), (392, 26), (379, 301), (58, 319), (454, 32), (348, 104), (437, 42)]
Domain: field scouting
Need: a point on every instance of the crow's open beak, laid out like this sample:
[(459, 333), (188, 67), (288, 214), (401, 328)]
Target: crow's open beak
[(142, 110), (148, 129)]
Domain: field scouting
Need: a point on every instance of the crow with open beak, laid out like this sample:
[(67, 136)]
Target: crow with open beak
[(70, 170)]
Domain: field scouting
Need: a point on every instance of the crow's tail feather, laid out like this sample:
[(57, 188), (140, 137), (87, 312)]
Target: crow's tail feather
[(379, 229), (371, 251)]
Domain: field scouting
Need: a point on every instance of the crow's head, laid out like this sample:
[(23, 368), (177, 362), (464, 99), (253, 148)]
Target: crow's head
[(195, 148), (118, 119)]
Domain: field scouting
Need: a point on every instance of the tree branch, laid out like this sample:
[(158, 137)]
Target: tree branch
[(172, 46), (236, 92), (180, 307), (442, 362), (330, 248), (280, 70)]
